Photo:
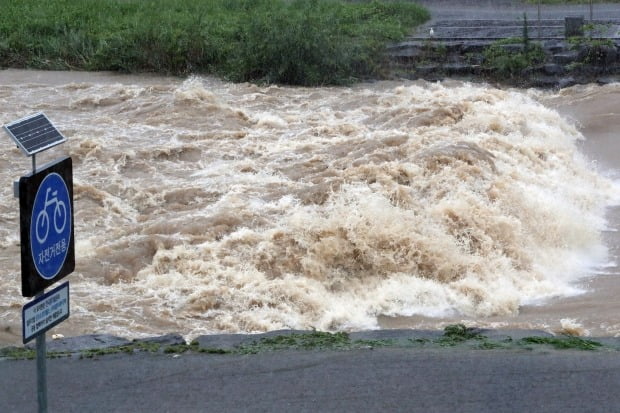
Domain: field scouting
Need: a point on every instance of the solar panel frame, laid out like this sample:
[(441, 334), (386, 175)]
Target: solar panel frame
[(34, 133)]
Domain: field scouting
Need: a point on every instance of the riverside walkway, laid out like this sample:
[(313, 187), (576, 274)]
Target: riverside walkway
[(511, 10), (476, 375)]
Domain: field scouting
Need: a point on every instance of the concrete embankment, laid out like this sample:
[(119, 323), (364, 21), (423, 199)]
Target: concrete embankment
[(512, 42), (458, 335)]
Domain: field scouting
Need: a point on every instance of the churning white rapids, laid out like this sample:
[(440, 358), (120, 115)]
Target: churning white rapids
[(203, 206)]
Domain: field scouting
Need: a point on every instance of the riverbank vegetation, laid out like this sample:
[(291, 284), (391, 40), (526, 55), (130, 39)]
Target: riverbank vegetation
[(508, 58), (307, 42)]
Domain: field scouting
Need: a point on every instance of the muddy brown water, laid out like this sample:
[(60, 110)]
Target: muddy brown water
[(203, 206)]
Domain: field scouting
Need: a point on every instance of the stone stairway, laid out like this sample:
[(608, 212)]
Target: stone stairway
[(455, 48)]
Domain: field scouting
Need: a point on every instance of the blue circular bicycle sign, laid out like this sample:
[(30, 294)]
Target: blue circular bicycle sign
[(50, 226)]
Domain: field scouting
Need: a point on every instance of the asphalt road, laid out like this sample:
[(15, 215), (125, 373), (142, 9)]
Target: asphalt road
[(512, 9), (379, 380)]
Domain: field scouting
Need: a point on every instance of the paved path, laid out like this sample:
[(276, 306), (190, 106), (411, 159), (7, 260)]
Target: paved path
[(380, 380), (511, 9)]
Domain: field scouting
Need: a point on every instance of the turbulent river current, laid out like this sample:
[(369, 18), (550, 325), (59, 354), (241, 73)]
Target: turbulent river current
[(203, 206)]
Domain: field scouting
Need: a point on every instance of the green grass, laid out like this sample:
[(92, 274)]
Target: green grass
[(128, 349), (18, 353), (506, 63), (457, 334), (306, 42)]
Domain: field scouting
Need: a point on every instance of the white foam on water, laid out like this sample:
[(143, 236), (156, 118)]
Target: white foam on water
[(203, 206)]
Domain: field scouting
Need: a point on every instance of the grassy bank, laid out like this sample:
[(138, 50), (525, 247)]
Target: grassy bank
[(307, 42)]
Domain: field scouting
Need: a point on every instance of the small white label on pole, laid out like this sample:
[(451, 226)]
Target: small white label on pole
[(45, 312)]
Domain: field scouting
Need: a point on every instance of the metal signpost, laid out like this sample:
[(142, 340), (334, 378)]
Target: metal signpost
[(538, 19), (47, 241)]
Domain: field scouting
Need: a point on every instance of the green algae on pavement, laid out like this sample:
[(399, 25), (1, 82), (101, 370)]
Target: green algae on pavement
[(563, 342), (454, 336)]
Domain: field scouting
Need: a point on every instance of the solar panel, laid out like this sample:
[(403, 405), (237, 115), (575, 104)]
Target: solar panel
[(34, 133)]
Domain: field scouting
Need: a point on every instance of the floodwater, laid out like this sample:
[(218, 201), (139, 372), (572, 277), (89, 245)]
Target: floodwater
[(203, 206)]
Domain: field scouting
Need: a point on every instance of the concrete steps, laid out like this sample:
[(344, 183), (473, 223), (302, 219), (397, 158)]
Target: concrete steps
[(456, 49)]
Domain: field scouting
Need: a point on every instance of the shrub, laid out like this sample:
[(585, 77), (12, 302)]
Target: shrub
[(506, 61)]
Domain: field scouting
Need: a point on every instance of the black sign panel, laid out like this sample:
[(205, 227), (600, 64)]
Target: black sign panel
[(46, 226)]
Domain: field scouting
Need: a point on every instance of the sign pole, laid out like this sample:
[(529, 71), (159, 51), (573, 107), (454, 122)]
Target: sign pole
[(40, 345), (538, 19), (41, 370)]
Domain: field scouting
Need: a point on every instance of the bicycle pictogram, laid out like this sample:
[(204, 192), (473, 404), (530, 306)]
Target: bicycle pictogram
[(50, 225), (42, 225)]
